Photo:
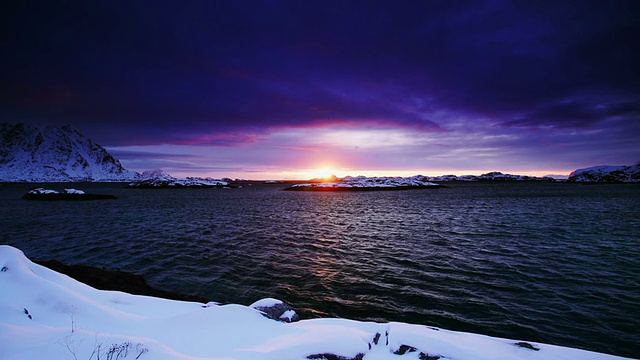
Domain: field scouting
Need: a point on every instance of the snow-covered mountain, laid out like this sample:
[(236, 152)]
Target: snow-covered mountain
[(50, 153), (607, 174)]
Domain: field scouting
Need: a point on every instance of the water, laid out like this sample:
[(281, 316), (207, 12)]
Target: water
[(552, 263)]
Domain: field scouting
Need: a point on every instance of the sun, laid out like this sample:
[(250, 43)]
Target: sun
[(324, 174)]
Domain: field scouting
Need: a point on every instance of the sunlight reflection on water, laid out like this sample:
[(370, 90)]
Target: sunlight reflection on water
[(555, 263)]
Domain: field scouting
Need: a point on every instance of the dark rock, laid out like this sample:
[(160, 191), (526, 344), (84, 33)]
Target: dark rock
[(376, 338), (276, 310), (329, 356), (424, 356), (526, 345), (403, 349)]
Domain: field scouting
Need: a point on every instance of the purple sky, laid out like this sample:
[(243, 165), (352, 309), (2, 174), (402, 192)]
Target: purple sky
[(285, 89)]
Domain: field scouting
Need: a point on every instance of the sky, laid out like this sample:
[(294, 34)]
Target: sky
[(297, 89)]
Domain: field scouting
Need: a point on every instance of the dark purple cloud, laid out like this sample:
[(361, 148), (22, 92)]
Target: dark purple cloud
[(226, 73)]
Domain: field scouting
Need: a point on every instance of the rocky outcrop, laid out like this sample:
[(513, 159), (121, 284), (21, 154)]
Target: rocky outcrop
[(276, 310)]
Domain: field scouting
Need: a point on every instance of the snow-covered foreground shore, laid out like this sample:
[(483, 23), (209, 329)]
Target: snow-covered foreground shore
[(47, 315)]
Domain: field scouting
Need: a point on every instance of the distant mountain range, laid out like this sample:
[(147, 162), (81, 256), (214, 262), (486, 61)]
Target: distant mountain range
[(48, 153)]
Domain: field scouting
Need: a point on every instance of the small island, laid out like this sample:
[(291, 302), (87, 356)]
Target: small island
[(66, 194), (174, 183), (363, 183), (158, 179)]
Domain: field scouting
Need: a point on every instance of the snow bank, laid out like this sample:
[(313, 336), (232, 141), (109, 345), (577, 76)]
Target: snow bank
[(47, 315)]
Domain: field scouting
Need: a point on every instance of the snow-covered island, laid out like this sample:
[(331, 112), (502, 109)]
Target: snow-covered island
[(158, 179), (363, 183), (490, 176), (66, 194), (47, 315), (607, 174)]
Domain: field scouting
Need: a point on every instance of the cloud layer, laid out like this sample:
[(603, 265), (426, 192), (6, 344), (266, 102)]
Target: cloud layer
[(439, 84)]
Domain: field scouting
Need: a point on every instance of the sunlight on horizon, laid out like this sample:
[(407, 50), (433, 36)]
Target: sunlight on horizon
[(325, 173)]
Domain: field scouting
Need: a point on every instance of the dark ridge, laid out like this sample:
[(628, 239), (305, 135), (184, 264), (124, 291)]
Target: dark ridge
[(103, 279)]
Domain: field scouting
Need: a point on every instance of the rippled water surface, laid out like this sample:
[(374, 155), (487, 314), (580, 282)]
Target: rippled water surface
[(553, 263)]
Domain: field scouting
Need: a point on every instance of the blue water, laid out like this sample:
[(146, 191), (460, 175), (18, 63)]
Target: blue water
[(547, 262)]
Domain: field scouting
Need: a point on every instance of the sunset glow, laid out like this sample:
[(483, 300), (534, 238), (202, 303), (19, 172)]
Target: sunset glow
[(325, 174), (292, 89)]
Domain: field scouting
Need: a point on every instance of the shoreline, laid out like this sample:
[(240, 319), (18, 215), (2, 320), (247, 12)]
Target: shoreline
[(170, 330), (114, 280)]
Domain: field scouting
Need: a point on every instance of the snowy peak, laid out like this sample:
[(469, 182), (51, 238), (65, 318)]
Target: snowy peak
[(607, 174), (51, 153), (155, 174)]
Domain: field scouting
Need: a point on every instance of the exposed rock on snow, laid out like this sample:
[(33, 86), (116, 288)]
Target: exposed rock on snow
[(363, 183), (607, 174), (55, 154), (66, 194), (47, 315), (276, 310)]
